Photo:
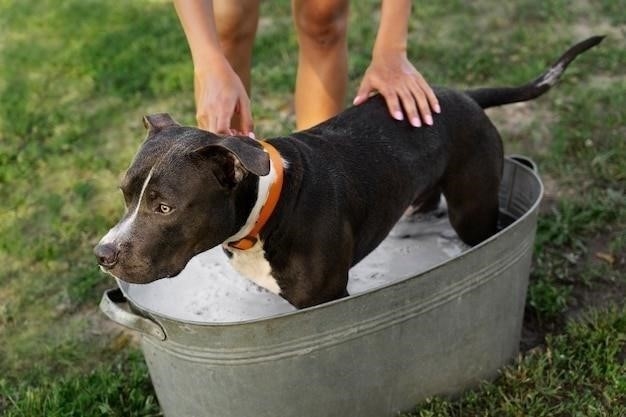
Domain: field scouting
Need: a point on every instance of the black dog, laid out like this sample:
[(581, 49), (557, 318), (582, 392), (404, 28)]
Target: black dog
[(344, 184)]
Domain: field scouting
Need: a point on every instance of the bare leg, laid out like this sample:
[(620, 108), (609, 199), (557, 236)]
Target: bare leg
[(322, 77), (236, 22)]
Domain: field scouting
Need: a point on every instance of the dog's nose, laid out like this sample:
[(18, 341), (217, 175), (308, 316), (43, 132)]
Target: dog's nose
[(106, 253)]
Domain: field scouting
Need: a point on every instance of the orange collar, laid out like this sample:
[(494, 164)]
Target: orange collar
[(270, 204)]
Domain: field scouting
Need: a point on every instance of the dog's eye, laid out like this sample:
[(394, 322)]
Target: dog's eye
[(164, 209)]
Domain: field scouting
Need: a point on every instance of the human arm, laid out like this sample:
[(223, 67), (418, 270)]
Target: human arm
[(219, 92), (390, 72)]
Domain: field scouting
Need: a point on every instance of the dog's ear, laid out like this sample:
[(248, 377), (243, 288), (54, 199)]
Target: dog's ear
[(249, 152), (235, 157), (154, 123)]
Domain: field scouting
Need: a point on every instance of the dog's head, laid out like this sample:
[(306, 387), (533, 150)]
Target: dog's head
[(186, 191)]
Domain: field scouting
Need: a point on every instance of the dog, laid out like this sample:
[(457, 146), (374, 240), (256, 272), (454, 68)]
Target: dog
[(295, 213)]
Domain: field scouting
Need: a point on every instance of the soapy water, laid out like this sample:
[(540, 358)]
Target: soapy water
[(209, 290)]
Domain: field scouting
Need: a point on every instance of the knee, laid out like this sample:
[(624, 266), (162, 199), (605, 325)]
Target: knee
[(236, 21), (322, 24)]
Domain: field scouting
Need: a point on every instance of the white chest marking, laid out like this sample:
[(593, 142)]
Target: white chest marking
[(252, 264)]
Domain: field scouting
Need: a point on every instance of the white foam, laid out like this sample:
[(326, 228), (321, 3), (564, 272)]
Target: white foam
[(209, 290)]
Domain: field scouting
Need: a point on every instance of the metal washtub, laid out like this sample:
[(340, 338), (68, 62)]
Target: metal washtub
[(440, 331)]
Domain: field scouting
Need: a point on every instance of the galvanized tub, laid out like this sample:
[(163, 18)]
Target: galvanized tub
[(372, 354)]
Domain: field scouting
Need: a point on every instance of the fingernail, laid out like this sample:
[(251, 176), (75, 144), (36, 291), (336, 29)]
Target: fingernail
[(416, 122), (437, 108), (398, 115), (429, 120), (356, 100), (252, 135)]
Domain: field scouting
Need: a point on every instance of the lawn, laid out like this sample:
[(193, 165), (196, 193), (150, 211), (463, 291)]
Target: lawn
[(76, 77)]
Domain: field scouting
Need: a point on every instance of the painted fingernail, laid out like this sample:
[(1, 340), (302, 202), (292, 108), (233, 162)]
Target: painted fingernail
[(356, 100), (437, 109), (416, 122), (252, 135), (429, 120), (398, 115)]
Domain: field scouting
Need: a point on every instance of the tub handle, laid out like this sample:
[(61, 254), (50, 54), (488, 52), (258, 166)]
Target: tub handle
[(112, 304), (526, 161)]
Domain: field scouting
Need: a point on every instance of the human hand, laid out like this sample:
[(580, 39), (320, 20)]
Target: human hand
[(402, 86), (222, 104)]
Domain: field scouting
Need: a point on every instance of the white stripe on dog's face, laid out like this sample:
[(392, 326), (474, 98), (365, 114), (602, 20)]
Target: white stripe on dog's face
[(125, 228)]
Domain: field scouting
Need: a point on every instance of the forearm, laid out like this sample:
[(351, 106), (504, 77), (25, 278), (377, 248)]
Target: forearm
[(392, 74), (198, 22), (393, 27)]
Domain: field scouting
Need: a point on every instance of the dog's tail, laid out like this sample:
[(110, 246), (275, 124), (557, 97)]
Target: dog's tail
[(497, 96)]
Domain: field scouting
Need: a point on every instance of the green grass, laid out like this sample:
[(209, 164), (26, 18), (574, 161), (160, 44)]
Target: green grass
[(77, 76), (118, 390), (578, 373)]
